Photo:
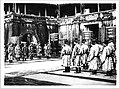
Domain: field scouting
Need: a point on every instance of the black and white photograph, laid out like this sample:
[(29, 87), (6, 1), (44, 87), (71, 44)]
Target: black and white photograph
[(60, 44)]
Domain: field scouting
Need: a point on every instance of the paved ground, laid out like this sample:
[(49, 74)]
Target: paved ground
[(50, 72), (40, 65)]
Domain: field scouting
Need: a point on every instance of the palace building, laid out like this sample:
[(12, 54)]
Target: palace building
[(60, 22), (98, 25)]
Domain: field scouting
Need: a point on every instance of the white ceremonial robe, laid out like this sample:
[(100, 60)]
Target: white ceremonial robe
[(66, 51), (76, 55), (111, 44), (10, 52), (92, 59), (84, 49), (17, 52), (106, 59)]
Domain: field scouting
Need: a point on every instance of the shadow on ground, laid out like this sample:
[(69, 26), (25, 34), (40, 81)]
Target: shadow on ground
[(27, 81)]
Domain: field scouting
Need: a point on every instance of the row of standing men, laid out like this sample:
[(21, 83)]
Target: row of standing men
[(94, 57), (22, 51)]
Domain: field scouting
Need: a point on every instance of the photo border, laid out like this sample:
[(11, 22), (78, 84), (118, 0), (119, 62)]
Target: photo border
[(59, 2)]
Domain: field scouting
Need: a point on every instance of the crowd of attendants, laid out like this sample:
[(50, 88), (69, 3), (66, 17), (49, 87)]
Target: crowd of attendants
[(23, 51), (90, 56)]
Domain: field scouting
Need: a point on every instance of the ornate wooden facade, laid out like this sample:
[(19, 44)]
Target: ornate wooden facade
[(97, 25), (20, 26)]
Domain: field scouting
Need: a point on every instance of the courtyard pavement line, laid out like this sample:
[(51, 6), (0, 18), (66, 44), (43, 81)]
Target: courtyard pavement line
[(83, 77)]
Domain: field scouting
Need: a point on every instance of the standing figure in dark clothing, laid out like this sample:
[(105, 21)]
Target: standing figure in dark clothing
[(24, 52)]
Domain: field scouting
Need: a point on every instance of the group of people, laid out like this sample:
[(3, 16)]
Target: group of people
[(84, 56), (22, 51)]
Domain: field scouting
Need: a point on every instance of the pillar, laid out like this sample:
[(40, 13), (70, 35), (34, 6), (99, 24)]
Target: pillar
[(18, 10), (45, 12), (98, 7), (25, 9), (15, 8), (9, 8), (39, 13), (75, 10)]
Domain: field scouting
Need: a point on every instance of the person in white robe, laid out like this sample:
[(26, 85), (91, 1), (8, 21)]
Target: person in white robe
[(17, 52), (101, 47), (76, 56), (66, 56), (108, 58), (85, 51), (39, 50), (11, 53), (93, 58)]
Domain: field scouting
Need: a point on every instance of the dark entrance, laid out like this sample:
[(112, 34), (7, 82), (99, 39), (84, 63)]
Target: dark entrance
[(27, 38), (95, 29)]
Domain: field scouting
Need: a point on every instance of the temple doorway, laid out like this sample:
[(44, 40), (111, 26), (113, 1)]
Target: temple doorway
[(29, 38), (95, 30)]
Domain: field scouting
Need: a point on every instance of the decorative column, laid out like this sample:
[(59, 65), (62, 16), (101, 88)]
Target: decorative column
[(45, 12), (39, 13), (25, 9), (80, 33), (15, 8), (98, 7), (9, 8), (18, 10), (75, 10), (58, 10)]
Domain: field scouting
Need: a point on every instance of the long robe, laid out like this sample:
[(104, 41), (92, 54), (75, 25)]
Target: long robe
[(93, 57), (10, 52), (107, 59), (66, 52), (39, 49), (76, 55), (17, 51), (84, 49), (25, 52)]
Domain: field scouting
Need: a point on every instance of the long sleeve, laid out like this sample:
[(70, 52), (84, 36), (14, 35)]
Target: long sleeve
[(91, 54), (104, 54), (62, 51), (73, 52)]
